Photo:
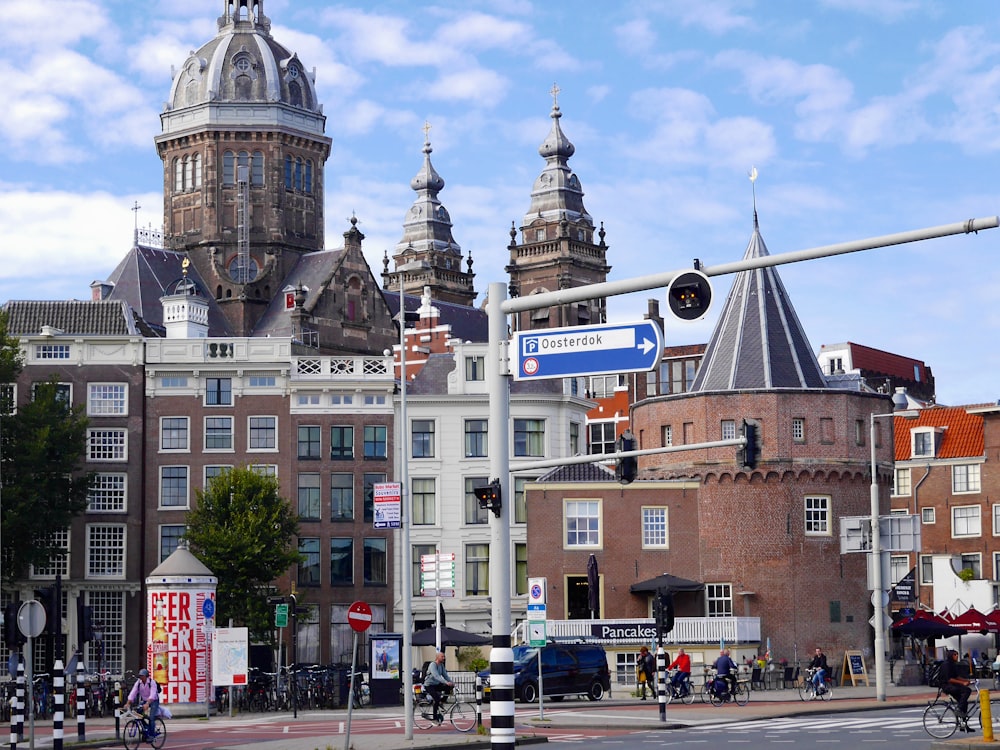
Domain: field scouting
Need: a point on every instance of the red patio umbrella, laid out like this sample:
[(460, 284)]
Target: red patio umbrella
[(974, 621), (994, 619)]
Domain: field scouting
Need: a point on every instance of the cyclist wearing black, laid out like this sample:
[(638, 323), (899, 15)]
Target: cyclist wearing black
[(819, 664), (726, 669), (957, 687)]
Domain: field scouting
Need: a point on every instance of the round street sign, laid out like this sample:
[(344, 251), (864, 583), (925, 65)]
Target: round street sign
[(359, 616), (31, 618)]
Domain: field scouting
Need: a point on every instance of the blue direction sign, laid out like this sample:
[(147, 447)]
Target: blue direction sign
[(587, 350)]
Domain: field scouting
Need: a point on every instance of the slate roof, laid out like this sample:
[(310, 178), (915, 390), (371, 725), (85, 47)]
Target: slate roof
[(578, 473), (886, 363), (962, 438), (467, 323), (758, 341), (73, 317), (313, 271)]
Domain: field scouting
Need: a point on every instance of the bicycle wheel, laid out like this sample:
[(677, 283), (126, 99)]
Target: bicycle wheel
[(940, 720), (806, 690), (160, 735), (705, 693), (422, 714), (463, 716), (687, 693), (132, 734), (827, 693), (716, 697), (742, 694)]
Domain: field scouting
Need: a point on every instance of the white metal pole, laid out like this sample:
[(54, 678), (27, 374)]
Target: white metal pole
[(879, 619), (406, 572)]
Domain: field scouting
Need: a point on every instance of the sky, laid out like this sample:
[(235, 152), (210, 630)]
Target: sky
[(861, 117)]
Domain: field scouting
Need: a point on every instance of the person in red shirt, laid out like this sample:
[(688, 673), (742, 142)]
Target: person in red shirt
[(683, 666)]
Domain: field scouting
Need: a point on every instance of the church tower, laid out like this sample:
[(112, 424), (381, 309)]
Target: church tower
[(557, 249), (428, 244), (243, 150)]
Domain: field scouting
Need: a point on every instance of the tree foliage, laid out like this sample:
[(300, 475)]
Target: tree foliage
[(244, 531), (44, 486)]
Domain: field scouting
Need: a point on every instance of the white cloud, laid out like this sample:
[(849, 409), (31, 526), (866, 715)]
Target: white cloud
[(38, 25), (887, 11), (714, 16), (485, 87)]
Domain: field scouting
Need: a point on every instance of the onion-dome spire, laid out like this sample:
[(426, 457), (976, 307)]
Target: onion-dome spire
[(427, 227)]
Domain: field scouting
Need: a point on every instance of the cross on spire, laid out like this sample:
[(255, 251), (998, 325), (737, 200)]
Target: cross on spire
[(555, 95), (427, 130)]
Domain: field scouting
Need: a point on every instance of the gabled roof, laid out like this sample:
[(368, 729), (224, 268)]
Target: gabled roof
[(578, 473), (466, 323), (73, 317), (758, 341), (313, 272), (961, 438)]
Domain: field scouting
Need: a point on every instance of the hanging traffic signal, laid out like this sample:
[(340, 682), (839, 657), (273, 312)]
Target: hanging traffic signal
[(626, 467), (690, 295), (12, 634), (53, 614), (489, 497), (747, 455), (667, 608), (84, 622)]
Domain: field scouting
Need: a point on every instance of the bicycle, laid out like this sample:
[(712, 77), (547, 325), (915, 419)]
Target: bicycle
[(684, 692), (134, 732), (808, 690), (461, 713), (718, 691), (941, 719), (362, 692)]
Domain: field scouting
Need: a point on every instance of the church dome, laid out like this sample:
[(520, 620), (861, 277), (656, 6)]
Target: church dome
[(242, 67)]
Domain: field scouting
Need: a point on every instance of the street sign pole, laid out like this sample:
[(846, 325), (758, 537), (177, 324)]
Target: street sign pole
[(359, 617)]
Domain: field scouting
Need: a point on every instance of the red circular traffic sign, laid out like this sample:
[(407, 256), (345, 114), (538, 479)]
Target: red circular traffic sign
[(359, 616)]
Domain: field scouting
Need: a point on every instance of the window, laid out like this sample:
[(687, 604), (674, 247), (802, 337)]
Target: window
[(309, 497), (973, 561), (602, 437), (265, 470), (416, 552), (57, 564), (520, 500), (173, 381), (923, 444), (520, 568), (107, 399), (107, 445), (965, 478), (375, 441), (373, 400), (798, 429), (105, 550), (341, 442), (603, 386), (308, 561), (218, 433), (996, 566), (477, 569), (173, 433), (341, 561), (309, 448), (859, 432), (475, 368), (170, 535), (52, 351), (928, 515), (926, 569), (173, 487), (473, 513), (228, 168), (728, 429), (654, 527), (107, 493), (899, 566), (965, 521), (218, 391), (423, 501), (817, 516), (476, 437), (341, 497), (529, 437), (666, 436), (901, 483), (376, 568), (719, 599), (370, 480), (261, 381), (574, 437), (422, 438), (263, 433), (211, 472), (583, 523)]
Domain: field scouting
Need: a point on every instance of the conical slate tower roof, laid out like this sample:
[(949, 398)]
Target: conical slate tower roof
[(758, 341)]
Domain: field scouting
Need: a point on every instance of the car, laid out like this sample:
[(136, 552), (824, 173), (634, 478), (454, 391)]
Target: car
[(567, 669)]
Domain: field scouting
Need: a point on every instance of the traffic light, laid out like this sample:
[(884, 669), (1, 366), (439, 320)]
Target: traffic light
[(489, 497), (53, 615), (689, 295), (747, 455), (84, 622), (663, 613), (626, 467), (12, 634)]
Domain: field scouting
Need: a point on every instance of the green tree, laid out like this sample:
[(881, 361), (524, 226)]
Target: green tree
[(244, 531), (44, 486)]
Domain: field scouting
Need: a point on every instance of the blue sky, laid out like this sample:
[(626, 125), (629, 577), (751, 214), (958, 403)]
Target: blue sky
[(862, 117)]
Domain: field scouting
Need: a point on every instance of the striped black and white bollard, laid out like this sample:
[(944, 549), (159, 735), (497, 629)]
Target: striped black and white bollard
[(502, 694), (661, 681), (59, 690), (81, 702), (479, 701), (118, 709), (20, 698), (13, 723)]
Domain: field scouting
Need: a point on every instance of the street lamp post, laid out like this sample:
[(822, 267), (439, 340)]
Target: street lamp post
[(899, 401)]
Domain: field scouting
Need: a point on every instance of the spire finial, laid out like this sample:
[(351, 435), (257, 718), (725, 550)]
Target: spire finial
[(427, 131), (555, 95), (753, 188)]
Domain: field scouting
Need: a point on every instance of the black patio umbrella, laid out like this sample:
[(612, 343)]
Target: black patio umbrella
[(666, 582), (593, 587), (449, 637), (920, 627)]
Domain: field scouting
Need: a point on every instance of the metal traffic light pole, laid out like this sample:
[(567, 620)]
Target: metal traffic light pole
[(498, 375)]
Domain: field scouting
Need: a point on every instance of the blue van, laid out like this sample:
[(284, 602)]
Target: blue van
[(567, 669)]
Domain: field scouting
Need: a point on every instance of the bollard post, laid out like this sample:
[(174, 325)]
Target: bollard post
[(479, 701), (20, 698), (986, 715), (118, 709), (81, 702), (661, 681), (59, 694), (13, 722)]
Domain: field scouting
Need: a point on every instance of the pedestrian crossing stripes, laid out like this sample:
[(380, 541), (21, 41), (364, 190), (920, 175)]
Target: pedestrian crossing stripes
[(814, 723)]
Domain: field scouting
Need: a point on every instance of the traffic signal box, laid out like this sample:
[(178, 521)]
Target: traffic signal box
[(748, 454), (11, 632), (690, 295), (489, 497), (663, 613), (626, 468)]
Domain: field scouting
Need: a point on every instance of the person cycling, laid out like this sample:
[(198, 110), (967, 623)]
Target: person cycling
[(726, 669), (957, 687), (436, 682), (820, 666), (683, 666), (146, 692)]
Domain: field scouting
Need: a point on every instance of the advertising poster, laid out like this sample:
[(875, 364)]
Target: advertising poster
[(177, 649), (385, 658)]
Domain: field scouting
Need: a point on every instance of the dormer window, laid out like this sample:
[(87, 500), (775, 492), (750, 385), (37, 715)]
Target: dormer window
[(925, 441)]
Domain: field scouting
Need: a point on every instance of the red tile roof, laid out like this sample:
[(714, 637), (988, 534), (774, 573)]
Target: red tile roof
[(963, 437), (876, 360)]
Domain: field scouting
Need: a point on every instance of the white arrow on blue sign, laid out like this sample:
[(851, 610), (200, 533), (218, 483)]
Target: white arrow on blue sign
[(587, 350)]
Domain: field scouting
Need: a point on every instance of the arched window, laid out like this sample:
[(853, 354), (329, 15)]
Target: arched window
[(308, 187), (196, 161), (178, 175), (294, 94), (288, 173), (229, 168), (257, 168), (188, 173), (298, 173)]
